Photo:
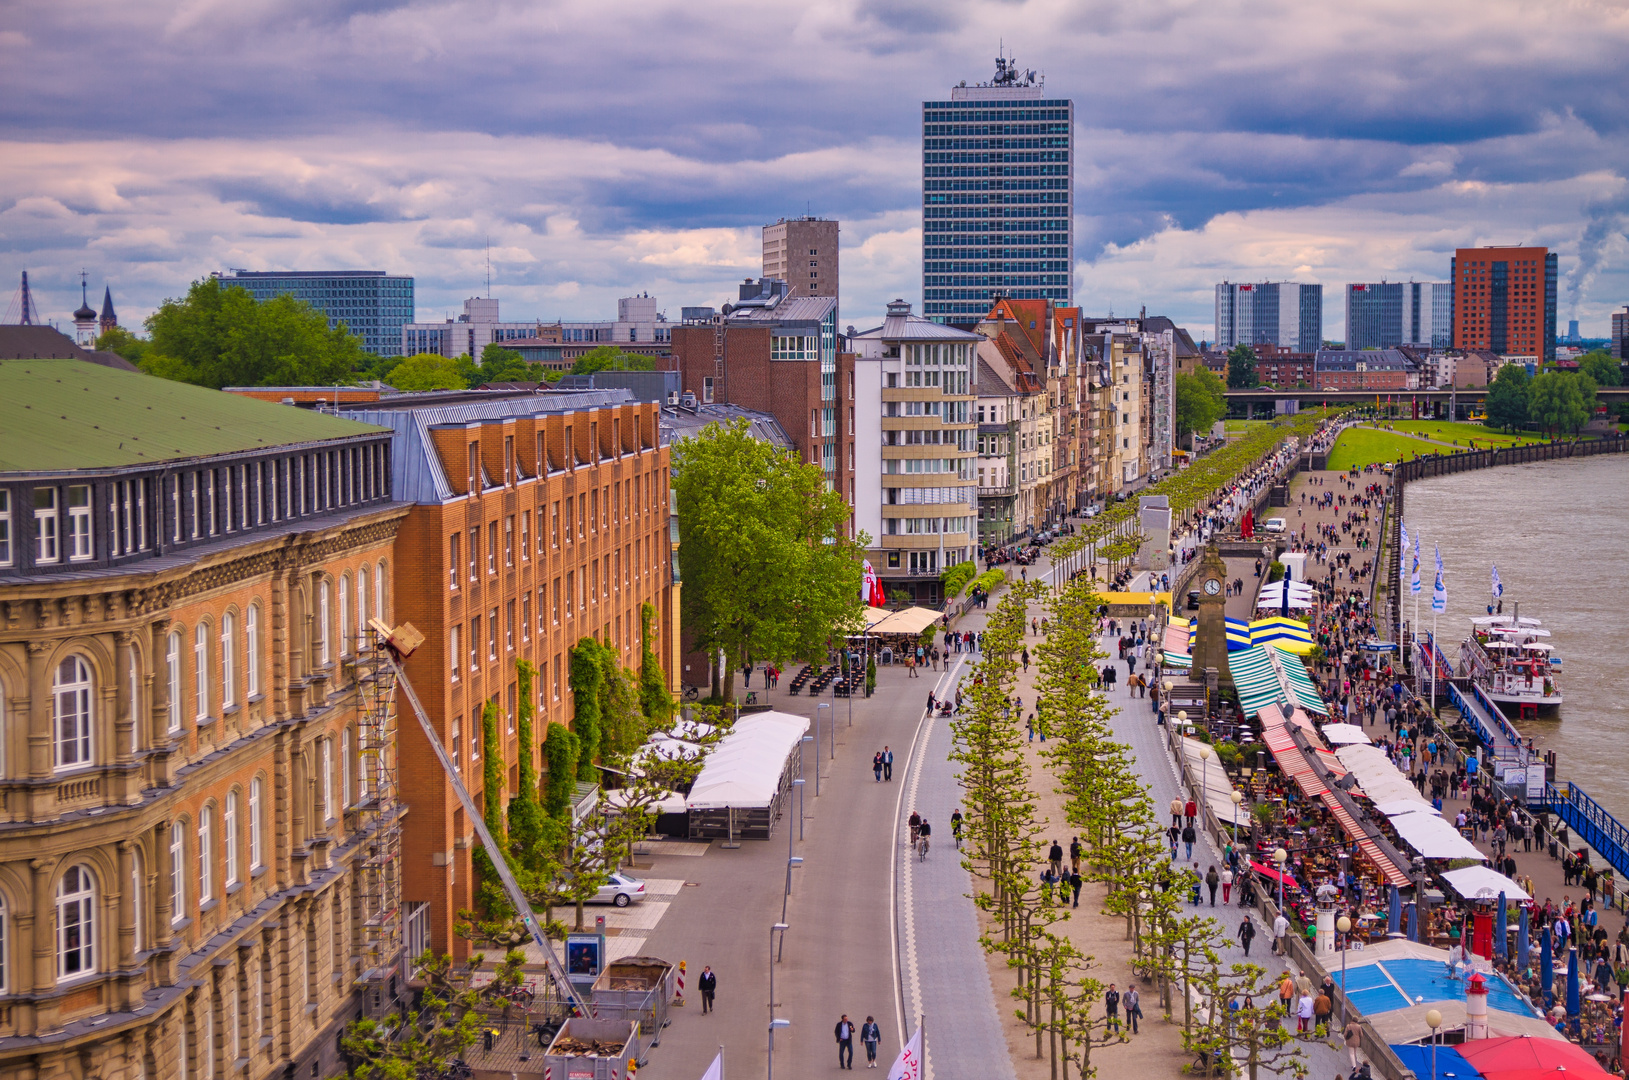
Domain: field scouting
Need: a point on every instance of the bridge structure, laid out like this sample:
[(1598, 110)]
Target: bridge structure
[(1606, 395)]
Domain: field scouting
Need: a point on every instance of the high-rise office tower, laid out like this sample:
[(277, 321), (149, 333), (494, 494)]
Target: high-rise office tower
[(1504, 300), (1383, 315), (1285, 313), (1620, 334), (997, 196), (803, 253), (372, 304)]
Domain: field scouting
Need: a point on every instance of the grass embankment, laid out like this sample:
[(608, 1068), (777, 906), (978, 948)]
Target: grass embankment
[(1244, 427), (1444, 431), (1360, 446)]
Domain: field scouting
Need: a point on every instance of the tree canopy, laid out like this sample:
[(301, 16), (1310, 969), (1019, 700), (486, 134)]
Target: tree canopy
[(1241, 368), (611, 358), (768, 572), (1507, 398), (1559, 402), (1597, 365), (218, 336), (426, 371), (121, 341), (1199, 401)]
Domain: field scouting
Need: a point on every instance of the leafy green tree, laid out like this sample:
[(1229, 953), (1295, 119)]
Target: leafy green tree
[(525, 812), (1199, 401), (128, 345), (218, 336), (768, 570), (586, 676), (560, 749), (425, 371), (1560, 402), (1241, 368), (611, 358), (1507, 398), (653, 694), (1597, 365)]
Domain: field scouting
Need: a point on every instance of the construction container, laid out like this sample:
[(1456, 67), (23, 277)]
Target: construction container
[(559, 1064), (636, 988)]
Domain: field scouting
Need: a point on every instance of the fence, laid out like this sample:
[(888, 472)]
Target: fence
[(1448, 464)]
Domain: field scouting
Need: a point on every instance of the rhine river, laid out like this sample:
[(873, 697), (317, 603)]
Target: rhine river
[(1559, 532)]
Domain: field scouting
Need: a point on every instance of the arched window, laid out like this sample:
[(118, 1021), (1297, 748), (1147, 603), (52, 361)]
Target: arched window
[(71, 702), (135, 702), (206, 855), (363, 581), (76, 924), (138, 898), (255, 803), (5, 941), (178, 871), (251, 651), (328, 778), (344, 628), (379, 593), (172, 677), (200, 670), (229, 656), (322, 622), (229, 837)]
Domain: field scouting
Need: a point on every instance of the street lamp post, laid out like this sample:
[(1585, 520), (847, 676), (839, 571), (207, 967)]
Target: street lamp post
[(811, 740), (1433, 1020), (1280, 857), (800, 784), (1344, 925), (1204, 780), (822, 705), (777, 928), (1237, 799)]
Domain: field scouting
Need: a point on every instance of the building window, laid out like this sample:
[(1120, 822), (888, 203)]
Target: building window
[(138, 910), (492, 635), (71, 703), (343, 629), (474, 551), (417, 929), (228, 661), (364, 581), (178, 871), (45, 525), (172, 675), (452, 561), (707, 391), (453, 651), (229, 837), (76, 924), (324, 656), (509, 540), (251, 651), (328, 778), (79, 522), (457, 744), (492, 547), (380, 583), (475, 644), (200, 670), (525, 534), (255, 803), (5, 528), (206, 855), (526, 616)]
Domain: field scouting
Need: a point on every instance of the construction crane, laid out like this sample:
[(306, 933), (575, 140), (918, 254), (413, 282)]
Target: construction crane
[(396, 645)]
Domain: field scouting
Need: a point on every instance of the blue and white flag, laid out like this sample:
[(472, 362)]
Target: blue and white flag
[(1439, 592), (1498, 586), (1414, 575)]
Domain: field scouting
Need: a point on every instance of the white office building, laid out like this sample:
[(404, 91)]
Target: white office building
[(1286, 313), (637, 322)]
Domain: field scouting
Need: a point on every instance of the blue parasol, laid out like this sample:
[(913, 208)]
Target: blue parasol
[(1394, 911), (1546, 968), (1522, 946), (1572, 985), (1500, 929)]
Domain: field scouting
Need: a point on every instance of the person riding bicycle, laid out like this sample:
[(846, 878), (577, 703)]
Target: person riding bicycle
[(926, 831), (916, 824), (956, 825)]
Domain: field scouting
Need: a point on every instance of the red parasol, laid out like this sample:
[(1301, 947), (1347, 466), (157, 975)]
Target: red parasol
[(1523, 1057)]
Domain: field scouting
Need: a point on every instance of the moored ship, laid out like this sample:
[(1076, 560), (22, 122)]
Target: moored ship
[(1507, 656)]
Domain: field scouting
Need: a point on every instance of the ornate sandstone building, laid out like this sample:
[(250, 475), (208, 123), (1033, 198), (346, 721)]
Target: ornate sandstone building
[(199, 830)]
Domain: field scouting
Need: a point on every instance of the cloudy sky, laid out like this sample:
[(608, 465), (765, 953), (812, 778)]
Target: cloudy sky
[(608, 147)]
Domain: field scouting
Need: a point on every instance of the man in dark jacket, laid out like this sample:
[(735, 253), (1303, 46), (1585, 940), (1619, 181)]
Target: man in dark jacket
[(845, 1043), (709, 986)]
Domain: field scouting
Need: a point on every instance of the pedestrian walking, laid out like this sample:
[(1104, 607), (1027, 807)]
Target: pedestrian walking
[(887, 763), (876, 766), (1212, 880), (1074, 854), (709, 986), (1188, 838), (1354, 1039), (1055, 857), (1176, 812), (1134, 1007), (1191, 810), (1303, 1014), (1247, 934), (1281, 926), (1227, 884), (1074, 886), (1322, 1009), (870, 1035), (1111, 1005), (845, 1043)]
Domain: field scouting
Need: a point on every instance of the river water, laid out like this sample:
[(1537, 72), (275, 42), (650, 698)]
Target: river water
[(1559, 532)]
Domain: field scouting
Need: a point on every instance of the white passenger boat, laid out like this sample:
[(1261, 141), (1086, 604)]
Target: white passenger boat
[(1509, 659)]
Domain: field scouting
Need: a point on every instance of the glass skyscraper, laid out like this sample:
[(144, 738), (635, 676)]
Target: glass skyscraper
[(372, 304), (997, 196)]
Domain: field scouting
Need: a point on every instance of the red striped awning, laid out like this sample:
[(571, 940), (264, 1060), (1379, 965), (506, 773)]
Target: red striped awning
[(1393, 874), (1293, 761)]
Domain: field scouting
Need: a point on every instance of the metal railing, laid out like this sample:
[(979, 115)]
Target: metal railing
[(1590, 822)]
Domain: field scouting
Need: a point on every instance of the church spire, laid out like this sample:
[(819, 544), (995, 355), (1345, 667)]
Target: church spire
[(109, 319)]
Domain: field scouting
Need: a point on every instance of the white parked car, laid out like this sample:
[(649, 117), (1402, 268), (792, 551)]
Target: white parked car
[(1273, 525), (620, 889)]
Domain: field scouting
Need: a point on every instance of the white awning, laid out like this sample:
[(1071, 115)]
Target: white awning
[(913, 620), (1434, 838), (744, 770), (1343, 734), (1477, 881), (1379, 779)]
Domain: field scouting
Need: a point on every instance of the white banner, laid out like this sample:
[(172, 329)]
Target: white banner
[(715, 1071), (908, 1066)]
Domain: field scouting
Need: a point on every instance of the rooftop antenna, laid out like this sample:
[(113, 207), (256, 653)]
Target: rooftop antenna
[(489, 268)]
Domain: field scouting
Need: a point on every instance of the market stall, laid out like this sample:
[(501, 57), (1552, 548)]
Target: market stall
[(741, 786)]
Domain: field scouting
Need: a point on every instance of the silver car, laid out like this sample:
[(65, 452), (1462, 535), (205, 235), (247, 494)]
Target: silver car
[(620, 889)]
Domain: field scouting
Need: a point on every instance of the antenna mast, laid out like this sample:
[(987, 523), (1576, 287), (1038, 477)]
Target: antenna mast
[(489, 268)]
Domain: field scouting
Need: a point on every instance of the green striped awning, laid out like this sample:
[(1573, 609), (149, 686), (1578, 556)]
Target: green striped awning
[(1265, 678)]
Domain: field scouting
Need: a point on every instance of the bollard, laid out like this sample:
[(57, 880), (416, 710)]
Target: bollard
[(678, 994)]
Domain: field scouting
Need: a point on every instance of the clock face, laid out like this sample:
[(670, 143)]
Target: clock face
[(1212, 586)]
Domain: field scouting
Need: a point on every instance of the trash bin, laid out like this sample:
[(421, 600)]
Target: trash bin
[(590, 1049), (636, 988)]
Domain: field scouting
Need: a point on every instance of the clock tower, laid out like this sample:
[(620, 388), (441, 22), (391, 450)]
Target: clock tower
[(1210, 632)]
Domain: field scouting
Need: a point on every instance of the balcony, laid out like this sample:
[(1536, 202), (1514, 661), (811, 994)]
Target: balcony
[(1010, 488)]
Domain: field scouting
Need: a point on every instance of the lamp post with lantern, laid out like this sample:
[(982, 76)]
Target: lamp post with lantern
[(1344, 925), (1237, 799), (1280, 857), (1433, 1020)]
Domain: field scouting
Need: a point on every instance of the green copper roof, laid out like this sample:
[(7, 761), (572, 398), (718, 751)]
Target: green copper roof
[(57, 415)]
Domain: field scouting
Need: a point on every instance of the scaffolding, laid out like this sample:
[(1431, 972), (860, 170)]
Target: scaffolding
[(378, 873)]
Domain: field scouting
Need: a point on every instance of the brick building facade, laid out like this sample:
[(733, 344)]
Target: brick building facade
[(536, 522), (191, 881)]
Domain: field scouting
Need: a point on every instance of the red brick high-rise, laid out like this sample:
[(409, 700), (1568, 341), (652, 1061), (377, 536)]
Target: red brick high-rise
[(1505, 300)]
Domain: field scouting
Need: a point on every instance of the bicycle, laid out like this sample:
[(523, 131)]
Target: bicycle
[(914, 830), (751, 698), (924, 851), (692, 693)]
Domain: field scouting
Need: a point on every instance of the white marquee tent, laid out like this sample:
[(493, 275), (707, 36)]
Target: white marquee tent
[(744, 770)]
